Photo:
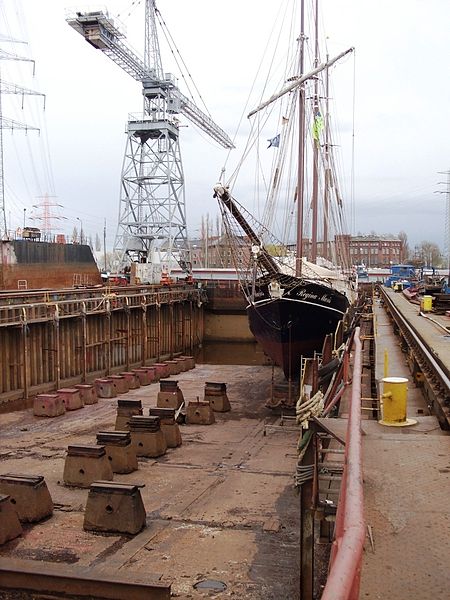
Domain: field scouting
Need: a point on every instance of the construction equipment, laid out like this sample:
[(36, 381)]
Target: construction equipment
[(152, 229)]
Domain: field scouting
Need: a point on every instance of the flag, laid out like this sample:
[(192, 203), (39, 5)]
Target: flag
[(275, 142), (317, 126)]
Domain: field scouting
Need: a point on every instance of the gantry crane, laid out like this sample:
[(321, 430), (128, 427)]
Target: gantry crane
[(152, 217)]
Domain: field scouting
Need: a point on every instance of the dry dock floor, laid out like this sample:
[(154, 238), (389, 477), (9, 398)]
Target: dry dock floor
[(222, 506)]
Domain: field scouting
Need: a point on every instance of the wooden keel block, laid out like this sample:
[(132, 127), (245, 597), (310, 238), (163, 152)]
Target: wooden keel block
[(114, 507), (105, 388), (119, 450), (199, 413), (48, 405), (10, 526), (85, 464), (88, 393), (29, 495), (71, 398)]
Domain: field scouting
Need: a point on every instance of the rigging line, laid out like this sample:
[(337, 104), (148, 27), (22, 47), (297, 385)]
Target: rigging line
[(247, 103), (133, 4), (169, 39), (352, 184), (33, 167)]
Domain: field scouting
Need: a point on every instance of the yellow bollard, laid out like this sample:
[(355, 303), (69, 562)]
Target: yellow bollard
[(386, 363), (426, 303), (393, 402)]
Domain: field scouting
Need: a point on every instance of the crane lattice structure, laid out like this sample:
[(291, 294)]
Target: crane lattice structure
[(152, 216)]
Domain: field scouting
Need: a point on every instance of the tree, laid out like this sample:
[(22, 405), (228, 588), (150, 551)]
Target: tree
[(75, 238), (405, 246), (98, 245), (429, 254)]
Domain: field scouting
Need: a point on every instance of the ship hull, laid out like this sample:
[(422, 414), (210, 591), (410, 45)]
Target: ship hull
[(26, 264), (295, 324)]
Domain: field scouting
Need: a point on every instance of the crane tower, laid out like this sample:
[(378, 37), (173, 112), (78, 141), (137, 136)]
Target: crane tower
[(152, 216)]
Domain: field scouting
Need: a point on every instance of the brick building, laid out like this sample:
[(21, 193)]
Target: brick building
[(372, 250)]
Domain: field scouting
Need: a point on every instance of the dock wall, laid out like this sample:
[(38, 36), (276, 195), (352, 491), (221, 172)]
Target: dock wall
[(57, 341)]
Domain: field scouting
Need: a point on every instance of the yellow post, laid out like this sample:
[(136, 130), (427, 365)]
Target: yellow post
[(393, 402), (386, 363), (426, 303)]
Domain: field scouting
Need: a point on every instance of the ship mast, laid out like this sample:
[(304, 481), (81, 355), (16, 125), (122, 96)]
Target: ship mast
[(301, 148), (326, 193), (315, 182)]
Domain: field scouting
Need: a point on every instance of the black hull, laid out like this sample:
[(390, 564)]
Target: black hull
[(295, 324)]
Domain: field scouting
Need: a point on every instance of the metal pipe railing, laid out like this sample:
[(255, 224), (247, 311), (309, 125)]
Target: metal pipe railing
[(346, 554)]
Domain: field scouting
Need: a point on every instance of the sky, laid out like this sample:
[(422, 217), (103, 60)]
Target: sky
[(398, 124)]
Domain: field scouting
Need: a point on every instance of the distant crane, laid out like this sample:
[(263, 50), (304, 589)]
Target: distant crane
[(152, 217)]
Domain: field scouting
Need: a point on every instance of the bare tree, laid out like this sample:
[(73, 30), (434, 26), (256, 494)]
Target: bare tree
[(429, 253), (405, 246)]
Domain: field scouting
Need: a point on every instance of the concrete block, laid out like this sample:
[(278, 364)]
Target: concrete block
[(162, 370), (29, 495), (143, 376), (132, 378), (216, 395), (127, 408), (105, 388), (114, 507), (120, 384), (71, 398), (170, 395), (48, 405), (88, 393), (169, 427), (10, 526), (189, 361), (119, 450), (174, 367), (199, 413), (147, 437), (85, 464)]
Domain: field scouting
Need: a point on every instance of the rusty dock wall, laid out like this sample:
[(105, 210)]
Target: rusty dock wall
[(54, 339)]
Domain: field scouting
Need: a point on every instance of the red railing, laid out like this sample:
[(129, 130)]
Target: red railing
[(346, 553)]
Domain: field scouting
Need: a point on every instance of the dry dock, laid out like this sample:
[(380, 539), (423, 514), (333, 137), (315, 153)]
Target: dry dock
[(220, 507)]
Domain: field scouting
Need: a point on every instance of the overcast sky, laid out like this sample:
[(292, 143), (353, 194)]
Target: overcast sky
[(402, 93)]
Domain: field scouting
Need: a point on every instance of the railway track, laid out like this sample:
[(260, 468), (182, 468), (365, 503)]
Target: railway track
[(428, 369)]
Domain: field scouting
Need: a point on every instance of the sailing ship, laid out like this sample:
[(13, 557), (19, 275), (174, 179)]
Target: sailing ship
[(293, 303)]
